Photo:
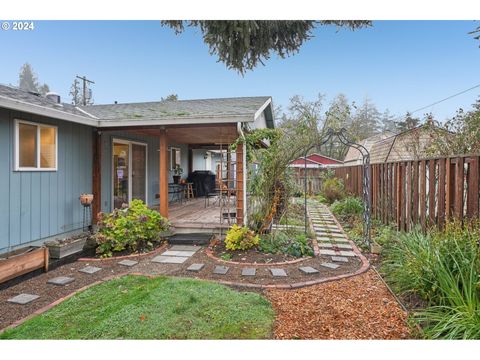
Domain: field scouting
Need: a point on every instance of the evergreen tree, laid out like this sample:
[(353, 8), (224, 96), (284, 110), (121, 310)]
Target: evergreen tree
[(407, 124), (365, 123), (387, 121), (27, 79), (75, 93)]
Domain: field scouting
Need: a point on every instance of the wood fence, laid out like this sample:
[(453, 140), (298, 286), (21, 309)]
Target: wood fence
[(426, 192)]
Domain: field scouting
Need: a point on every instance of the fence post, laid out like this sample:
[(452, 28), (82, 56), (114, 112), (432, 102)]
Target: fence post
[(423, 194)]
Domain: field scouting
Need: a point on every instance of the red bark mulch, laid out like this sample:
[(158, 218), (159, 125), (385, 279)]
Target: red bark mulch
[(360, 307)]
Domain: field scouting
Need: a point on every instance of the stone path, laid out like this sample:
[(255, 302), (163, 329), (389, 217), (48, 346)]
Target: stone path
[(335, 250)]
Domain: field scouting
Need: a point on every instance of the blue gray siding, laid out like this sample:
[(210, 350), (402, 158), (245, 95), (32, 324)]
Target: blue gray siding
[(40, 205)]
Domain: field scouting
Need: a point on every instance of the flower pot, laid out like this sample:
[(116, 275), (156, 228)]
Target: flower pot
[(86, 199), (176, 179)]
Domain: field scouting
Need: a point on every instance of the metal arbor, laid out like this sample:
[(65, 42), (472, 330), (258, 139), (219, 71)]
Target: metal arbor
[(367, 206)]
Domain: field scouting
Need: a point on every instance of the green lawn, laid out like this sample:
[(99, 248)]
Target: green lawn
[(136, 307)]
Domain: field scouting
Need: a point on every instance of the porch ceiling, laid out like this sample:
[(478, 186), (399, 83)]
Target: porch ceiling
[(199, 134)]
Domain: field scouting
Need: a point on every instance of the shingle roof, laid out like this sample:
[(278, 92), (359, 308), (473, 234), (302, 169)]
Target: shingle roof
[(225, 107), (17, 94), (354, 156)]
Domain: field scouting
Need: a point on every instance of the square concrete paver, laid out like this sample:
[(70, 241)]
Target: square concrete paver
[(329, 265), (169, 259), (90, 269), (184, 248), (249, 272), (344, 246), (23, 299), (220, 270), (278, 272), (327, 252), (128, 263), (61, 280), (308, 270), (178, 253), (196, 267), (339, 240), (347, 253), (325, 245), (339, 259)]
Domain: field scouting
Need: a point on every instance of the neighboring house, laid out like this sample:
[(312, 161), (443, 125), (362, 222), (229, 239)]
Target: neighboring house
[(315, 164), (354, 157), (408, 145), (50, 153)]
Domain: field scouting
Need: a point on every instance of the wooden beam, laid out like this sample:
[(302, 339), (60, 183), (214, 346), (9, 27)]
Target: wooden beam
[(163, 174), (97, 175), (240, 184)]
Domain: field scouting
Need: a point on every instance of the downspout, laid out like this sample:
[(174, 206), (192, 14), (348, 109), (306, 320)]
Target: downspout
[(242, 135)]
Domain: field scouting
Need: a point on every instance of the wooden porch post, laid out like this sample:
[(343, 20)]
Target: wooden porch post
[(163, 175), (96, 175), (239, 175)]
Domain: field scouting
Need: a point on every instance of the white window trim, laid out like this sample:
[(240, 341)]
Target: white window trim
[(17, 147), (129, 143), (170, 155)]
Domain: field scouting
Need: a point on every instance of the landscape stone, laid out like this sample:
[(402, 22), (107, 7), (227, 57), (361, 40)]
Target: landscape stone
[(90, 269), (128, 263), (339, 259), (184, 248), (278, 272), (178, 253), (329, 265), (248, 272), (23, 299), (169, 259), (220, 270), (61, 280), (344, 246), (195, 267), (347, 253), (327, 252), (308, 270), (326, 245)]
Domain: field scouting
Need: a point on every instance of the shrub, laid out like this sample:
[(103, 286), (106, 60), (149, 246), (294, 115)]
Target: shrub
[(281, 242), (241, 238), (443, 269), (333, 189), (299, 246), (132, 228), (348, 208)]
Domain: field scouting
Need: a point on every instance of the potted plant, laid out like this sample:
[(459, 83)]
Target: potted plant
[(86, 199), (177, 174)]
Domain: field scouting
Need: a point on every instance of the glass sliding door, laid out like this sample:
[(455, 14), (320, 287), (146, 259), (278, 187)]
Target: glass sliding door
[(129, 172)]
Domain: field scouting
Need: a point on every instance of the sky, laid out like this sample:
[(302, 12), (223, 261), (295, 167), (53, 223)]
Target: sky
[(399, 65)]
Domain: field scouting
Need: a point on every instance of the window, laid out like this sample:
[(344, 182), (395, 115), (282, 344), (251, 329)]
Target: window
[(174, 157), (35, 147)]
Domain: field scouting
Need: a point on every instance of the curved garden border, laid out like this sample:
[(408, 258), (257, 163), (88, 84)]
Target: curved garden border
[(153, 252)]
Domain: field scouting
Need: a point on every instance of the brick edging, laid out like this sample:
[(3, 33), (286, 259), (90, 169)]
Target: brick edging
[(153, 252)]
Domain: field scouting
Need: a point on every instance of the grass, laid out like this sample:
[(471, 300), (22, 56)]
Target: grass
[(137, 307)]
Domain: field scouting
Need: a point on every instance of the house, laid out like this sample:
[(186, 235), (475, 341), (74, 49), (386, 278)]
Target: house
[(51, 152), (354, 157), (411, 144)]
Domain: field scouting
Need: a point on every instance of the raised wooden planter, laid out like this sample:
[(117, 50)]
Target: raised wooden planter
[(22, 261), (59, 250)]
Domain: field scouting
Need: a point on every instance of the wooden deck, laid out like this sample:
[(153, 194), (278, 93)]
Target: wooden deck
[(193, 214)]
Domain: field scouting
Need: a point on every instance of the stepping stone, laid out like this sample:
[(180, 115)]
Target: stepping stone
[(178, 253), (278, 272), (90, 269), (328, 252), (325, 245), (184, 248), (128, 263), (23, 299), (195, 267), (248, 272), (339, 240), (169, 259), (61, 280), (344, 246), (347, 253), (339, 259), (220, 270), (308, 270), (329, 265)]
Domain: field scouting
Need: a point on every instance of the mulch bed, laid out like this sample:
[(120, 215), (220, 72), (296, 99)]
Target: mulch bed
[(359, 307)]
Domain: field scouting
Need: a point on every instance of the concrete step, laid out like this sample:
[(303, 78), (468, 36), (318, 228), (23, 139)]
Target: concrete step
[(190, 239)]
